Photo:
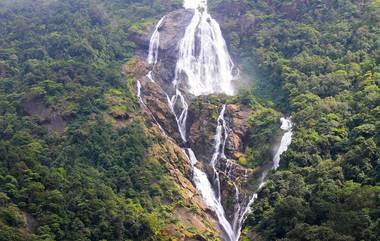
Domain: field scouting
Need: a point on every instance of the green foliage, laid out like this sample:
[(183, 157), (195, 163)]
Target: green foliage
[(60, 62), (322, 59), (316, 60)]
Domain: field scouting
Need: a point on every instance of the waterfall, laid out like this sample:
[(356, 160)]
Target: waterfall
[(199, 79), (243, 216), (204, 63), (204, 67), (154, 43), (194, 3), (182, 117), (220, 141), (286, 125), (204, 186), (286, 139), (240, 211), (138, 90)]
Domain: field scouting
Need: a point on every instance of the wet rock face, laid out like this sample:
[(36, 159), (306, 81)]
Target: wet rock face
[(173, 28), (171, 31), (202, 124)]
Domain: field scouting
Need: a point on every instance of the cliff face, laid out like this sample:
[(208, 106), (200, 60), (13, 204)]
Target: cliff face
[(154, 84), (171, 31), (202, 122)]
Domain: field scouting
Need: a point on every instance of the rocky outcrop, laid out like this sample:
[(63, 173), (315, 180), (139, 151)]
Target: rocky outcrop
[(202, 124), (52, 117), (176, 162), (171, 32), (238, 120), (201, 127), (156, 104)]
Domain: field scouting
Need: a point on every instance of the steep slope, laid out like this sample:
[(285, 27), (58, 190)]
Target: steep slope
[(213, 131), (92, 149), (77, 160), (324, 58)]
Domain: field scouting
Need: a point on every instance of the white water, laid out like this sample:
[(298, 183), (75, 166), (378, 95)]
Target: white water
[(182, 117), (154, 43), (221, 130), (138, 89), (150, 77), (243, 216), (208, 71), (208, 195), (206, 66), (204, 62), (286, 140), (194, 3), (220, 139)]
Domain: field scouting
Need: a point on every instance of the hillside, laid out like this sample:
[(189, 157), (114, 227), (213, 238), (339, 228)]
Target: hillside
[(140, 120)]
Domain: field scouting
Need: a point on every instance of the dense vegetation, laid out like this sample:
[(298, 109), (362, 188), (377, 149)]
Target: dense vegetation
[(324, 56), (85, 174), (66, 172)]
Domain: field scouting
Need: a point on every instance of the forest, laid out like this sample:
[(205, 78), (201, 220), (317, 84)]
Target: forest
[(75, 160)]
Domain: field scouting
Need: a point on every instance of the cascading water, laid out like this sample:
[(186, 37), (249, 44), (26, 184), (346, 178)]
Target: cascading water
[(221, 131), (204, 186), (182, 117), (286, 125), (193, 4), (204, 61), (204, 66), (209, 72), (139, 90), (154, 43)]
